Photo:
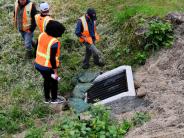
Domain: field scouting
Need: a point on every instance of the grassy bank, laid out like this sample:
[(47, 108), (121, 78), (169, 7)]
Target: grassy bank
[(21, 85)]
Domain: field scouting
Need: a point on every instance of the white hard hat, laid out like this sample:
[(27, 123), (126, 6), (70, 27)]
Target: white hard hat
[(44, 6)]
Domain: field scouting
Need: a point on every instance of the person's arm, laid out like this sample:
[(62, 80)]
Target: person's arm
[(93, 31), (79, 28), (35, 45), (53, 53), (33, 22)]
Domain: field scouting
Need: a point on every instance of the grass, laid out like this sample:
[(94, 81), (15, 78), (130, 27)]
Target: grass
[(21, 85), (147, 8), (35, 133)]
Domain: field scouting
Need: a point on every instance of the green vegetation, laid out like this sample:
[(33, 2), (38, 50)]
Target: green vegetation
[(21, 85), (159, 35), (35, 133), (98, 125), (7, 125), (140, 118), (140, 58), (146, 8)]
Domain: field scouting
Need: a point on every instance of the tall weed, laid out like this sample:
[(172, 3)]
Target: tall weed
[(159, 34)]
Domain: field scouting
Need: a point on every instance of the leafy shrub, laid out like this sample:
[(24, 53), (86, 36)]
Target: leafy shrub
[(98, 126), (140, 58), (126, 50), (117, 54), (159, 34), (124, 127), (140, 118)]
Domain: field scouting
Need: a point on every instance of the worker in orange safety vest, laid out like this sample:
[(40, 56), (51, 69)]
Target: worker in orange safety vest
[(24, 20), (86, 31), (43, 18), (47, 60)]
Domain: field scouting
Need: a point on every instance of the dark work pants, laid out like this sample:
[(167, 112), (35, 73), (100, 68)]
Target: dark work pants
[(91, 50), (50, 84)]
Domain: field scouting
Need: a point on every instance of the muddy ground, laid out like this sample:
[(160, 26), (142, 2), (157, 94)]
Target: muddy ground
[(162, 78)]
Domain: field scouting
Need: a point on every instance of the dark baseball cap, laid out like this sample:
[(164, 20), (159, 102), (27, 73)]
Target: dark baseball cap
[(92, 13)]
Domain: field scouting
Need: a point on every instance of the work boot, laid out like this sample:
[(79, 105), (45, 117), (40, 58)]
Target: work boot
[(100, 64), (34, 45), (98, 60), (29, 54)]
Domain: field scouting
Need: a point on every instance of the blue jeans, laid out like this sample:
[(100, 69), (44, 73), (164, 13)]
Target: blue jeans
[(28, 39)]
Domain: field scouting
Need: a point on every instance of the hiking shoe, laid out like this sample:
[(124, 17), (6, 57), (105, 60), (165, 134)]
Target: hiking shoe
[(85, 66), (58, 101), (101, 64), (61, 98), (47, 101)]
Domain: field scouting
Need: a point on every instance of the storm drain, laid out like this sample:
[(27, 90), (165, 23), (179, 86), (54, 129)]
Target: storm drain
[(111, 86)]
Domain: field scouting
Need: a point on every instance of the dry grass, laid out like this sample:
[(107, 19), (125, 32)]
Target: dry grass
[(21, 84)]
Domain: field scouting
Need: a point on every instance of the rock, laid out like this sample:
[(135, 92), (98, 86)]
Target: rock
[(65, 106), (85, 116), (20, 135), (176, 18), (57, 108), (141, 93), (137, 84), (141, 31)]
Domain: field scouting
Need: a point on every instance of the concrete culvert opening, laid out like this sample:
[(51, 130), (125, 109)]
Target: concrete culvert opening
[(112, 86), (106, 89)]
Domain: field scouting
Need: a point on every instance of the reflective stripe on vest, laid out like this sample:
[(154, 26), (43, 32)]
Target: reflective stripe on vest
[(26, 19), (42, 22), (84, 23), (86, 31), (45, 46), (46, 20)]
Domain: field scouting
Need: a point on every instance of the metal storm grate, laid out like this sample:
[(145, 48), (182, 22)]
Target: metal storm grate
[(112, 85)]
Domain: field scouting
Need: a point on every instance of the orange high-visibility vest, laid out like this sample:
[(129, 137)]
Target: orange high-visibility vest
[(42, 21), (45, 43), (86, 31), (26, 19)]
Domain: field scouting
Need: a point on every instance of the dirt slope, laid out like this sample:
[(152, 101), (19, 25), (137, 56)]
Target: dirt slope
[(162, 77)]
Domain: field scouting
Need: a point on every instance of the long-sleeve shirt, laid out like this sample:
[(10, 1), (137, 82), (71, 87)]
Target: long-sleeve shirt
[(79, 28), (53, 52)]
